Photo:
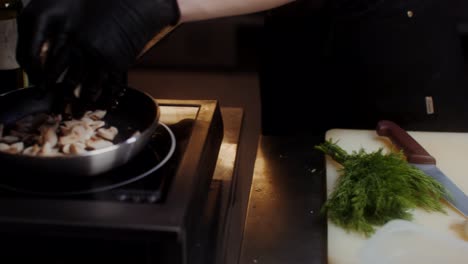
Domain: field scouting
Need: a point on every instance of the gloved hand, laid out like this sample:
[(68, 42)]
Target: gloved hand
[(96, 40), (42, 22)]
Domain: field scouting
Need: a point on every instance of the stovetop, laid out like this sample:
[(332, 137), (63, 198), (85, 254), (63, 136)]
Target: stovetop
[(139, 198)]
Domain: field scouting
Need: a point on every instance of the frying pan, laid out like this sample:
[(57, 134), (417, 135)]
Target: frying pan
[(136, 111)]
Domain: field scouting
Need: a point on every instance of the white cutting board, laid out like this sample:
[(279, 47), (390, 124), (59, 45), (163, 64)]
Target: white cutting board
[(451, 153)]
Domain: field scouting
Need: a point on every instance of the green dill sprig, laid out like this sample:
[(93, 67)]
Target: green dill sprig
[(374, 188)]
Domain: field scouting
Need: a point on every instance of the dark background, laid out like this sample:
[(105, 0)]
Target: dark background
[(270, 45)]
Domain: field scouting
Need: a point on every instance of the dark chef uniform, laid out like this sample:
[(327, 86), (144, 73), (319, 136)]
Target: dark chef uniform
[(348, 64)]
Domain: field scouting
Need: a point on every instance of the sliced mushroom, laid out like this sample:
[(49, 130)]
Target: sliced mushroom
[(16, 148), (1, 130), (96, 115), (97, 124), (45, 150), (69, 139), (108, 133), (98, 143), (66, 149), (67, 129), (32, 150), (77, 148), (48, 150), (54, 152), (10, 139), (87, 120), (82, 132), (72, 123), (74, 148), (49, 136), (4, 147)]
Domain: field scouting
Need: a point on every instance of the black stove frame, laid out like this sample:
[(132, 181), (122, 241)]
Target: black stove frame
[(171, 224)]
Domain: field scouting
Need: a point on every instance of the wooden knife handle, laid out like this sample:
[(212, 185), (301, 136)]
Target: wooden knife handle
[(414, 152)]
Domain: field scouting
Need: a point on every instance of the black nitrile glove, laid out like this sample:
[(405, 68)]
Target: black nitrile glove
[(52, 22), (95, 40)]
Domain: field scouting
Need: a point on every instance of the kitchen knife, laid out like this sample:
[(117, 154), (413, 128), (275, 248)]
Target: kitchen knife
[(420, 158)]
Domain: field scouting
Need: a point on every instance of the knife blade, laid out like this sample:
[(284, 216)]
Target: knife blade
[(417, 156)]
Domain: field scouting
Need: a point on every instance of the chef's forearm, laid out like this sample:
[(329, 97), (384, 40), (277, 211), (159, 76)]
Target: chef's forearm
[(192, 10)]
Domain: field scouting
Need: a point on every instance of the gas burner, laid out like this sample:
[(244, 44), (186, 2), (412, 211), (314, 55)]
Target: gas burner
[(152, 158)]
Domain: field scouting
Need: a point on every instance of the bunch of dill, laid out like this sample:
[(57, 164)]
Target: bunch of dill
[(374, 188)]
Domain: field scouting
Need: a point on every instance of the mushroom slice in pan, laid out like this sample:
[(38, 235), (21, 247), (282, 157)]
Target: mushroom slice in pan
[(87, 120), (72, 123), (69, 139), (84, 132), (1, 130), (97, 124), (74, 148), (96, 115), (4, 147), (66, 149), (49, 136), (108, 133), (48, 150), (32, 150), (78, 148), (16, 148), (98, 143), (10, 139)]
